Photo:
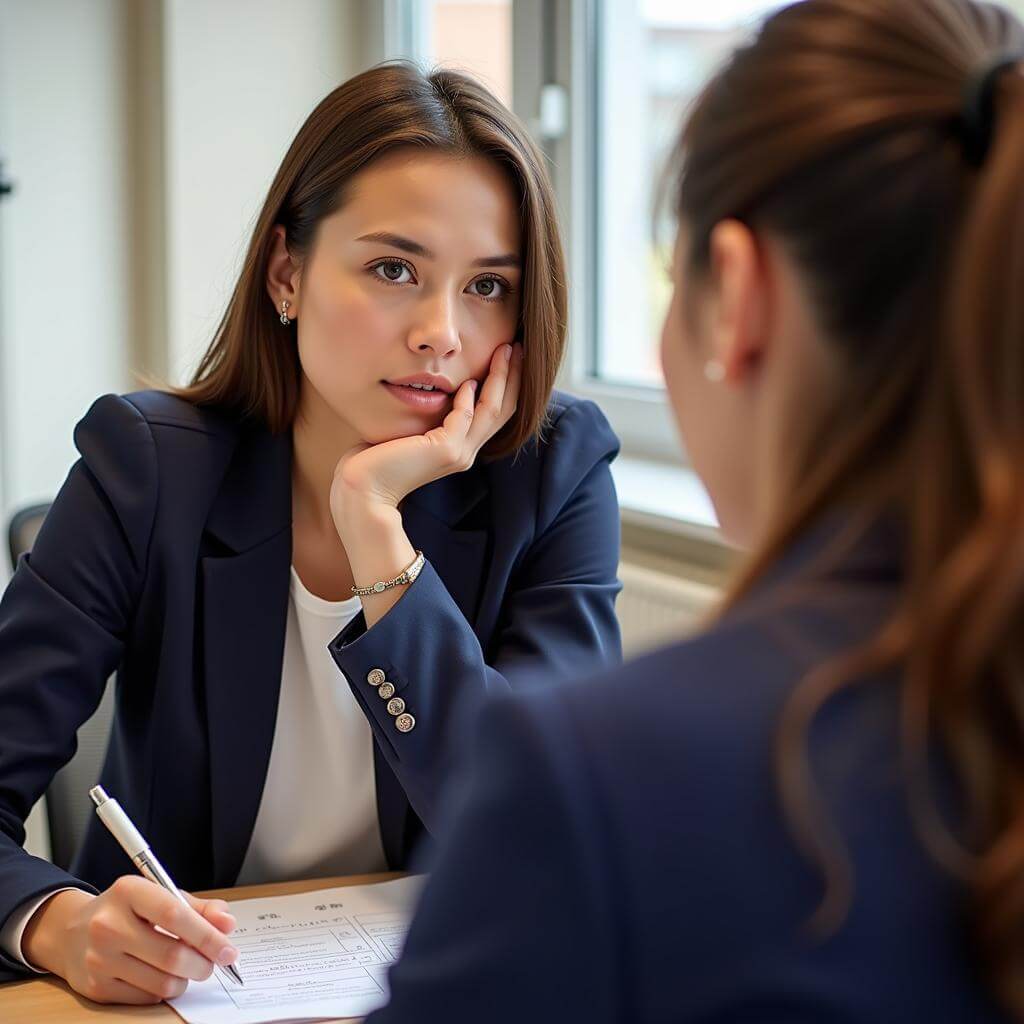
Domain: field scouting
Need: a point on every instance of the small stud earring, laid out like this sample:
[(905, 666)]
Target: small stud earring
[(714, 371), (284, 312)]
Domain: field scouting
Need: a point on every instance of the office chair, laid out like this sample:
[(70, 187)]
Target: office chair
[(22, 530), (68, 807)]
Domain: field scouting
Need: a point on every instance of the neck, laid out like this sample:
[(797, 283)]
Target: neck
[(319, 439)]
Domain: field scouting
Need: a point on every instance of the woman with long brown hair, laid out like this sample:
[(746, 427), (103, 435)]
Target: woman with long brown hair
[(367, 512), (815, 809)]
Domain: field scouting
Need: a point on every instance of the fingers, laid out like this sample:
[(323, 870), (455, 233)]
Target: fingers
[(449, 439), (467, 427), (167, 956), (124, 945), (460, 419), (112, 990), (112, 937), (125, 959), (148, 979), (157, 906), (510, 400), (499, 395)]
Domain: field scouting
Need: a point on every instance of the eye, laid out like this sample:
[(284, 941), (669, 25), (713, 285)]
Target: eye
[(391, 271), (493, 289)]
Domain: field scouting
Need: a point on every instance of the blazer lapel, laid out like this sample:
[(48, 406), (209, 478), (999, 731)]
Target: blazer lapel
[(245, 609)]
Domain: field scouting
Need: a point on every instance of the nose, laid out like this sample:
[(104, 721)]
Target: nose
[(436, 330)]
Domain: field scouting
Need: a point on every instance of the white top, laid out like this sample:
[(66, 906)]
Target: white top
[(318, 813)]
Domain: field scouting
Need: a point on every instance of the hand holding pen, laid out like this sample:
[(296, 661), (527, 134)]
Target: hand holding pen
[(121, 828), (120, 946)]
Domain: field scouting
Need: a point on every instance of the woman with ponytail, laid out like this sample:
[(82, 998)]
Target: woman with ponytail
[(814, 810)]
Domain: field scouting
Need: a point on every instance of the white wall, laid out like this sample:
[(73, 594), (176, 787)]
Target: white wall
[(63, 235), (241, 77), (141, 136)]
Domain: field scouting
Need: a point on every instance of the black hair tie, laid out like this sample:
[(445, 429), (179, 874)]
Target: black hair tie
[(978, 115)]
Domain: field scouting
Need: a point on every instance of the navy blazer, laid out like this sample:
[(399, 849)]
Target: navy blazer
[(619, 853), (166, 557)]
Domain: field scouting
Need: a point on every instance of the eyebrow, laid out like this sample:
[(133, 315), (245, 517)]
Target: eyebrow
[(508, 259)]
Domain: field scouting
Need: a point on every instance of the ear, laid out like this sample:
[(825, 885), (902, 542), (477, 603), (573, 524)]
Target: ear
[(739, 317), (282, 274)]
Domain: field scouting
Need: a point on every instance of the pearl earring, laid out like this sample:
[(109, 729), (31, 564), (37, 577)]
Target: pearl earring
[(714, 371), (284, 312)]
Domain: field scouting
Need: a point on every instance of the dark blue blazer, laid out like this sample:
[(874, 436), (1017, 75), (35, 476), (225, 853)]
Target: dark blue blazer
[(619, 853), (166, 557)]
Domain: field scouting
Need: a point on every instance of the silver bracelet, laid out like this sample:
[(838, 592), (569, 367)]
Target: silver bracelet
[(406, 576)]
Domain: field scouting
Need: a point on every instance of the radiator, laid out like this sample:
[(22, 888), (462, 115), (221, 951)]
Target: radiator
[(656, 607)]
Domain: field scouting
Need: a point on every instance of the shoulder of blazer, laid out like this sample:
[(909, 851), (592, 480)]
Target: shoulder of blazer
[(574, 442), (159, 408), (575, 425), (707, 707), (719, 693), (182, 438), (190, 441), (570, 414), (130, 443)]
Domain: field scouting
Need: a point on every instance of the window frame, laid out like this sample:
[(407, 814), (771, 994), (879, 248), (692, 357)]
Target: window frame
[(403, 30)]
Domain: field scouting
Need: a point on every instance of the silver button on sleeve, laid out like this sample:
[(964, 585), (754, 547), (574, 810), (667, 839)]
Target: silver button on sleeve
[(376, 676), (405, 723)]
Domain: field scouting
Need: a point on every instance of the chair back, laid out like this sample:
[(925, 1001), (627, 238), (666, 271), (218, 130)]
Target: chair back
[(22, 530)]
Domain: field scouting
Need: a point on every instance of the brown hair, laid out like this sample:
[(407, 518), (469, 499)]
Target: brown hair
[(252, 365), (839, 129)]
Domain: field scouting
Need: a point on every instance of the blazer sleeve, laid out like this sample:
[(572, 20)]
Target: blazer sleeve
[(521, 902), (63, 620), (558, 617)]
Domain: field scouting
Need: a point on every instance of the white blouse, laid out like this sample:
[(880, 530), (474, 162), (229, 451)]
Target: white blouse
[(318, 814)]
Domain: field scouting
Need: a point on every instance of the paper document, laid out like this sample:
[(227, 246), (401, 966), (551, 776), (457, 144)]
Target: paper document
[(310, 956)]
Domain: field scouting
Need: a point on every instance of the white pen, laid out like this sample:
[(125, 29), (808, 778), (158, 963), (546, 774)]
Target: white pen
[(112, 815)]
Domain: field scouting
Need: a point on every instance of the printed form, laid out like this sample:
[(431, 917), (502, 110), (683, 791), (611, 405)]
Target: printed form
[(310, 956)]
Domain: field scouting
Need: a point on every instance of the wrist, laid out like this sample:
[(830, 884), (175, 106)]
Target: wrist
[(377, 546), (406, 577), (43, 942), (361, 517)]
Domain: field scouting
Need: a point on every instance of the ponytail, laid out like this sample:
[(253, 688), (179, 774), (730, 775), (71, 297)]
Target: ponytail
[(967, 660)]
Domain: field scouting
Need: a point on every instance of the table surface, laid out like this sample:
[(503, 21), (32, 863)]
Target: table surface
[(48, 1000)]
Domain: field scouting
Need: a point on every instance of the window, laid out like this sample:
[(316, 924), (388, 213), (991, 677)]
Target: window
[(468, 35), (640, 64), (474, 36), (655, 56)]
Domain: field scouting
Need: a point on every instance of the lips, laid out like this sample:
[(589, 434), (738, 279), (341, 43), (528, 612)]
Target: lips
[(418, 398), (424, 382)]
